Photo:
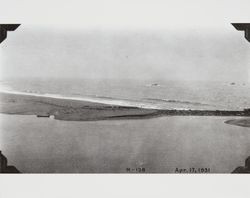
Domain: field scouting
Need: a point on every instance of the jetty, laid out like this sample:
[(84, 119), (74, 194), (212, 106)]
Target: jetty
[(245, 112)]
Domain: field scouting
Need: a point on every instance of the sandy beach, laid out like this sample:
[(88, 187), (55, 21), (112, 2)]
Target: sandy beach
[(71, 109)]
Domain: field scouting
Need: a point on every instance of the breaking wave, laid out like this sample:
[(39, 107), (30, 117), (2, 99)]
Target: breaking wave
[(117, 102), (177, 101), (147, 103)]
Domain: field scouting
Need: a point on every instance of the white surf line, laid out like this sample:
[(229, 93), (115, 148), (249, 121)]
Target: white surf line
[(86, 99)]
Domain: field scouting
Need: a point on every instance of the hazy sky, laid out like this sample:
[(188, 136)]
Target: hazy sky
[(172, 40)]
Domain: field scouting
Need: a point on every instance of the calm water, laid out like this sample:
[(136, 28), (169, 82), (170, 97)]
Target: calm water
[(159, 144)]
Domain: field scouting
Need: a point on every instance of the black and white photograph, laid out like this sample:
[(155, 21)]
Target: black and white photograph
[(159, 95)]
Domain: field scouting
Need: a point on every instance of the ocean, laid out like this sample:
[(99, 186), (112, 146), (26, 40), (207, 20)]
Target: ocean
[(148, 94), (157, 145)]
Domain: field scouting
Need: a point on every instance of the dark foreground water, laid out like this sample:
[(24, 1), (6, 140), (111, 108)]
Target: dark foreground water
[(36, 145)]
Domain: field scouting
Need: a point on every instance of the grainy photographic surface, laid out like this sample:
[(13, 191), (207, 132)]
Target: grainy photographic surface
[(89, 100)]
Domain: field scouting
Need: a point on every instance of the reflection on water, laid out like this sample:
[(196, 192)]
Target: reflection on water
[(162, 144)]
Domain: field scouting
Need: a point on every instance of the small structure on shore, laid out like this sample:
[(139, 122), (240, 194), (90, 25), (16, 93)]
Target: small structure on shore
[(52, 117), (45, 115)]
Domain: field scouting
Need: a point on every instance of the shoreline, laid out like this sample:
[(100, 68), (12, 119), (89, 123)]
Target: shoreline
[(79, 109), (114, 102)]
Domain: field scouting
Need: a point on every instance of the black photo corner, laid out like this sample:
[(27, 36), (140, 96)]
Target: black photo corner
[(243, 27), (4, 167), (4, 28)]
